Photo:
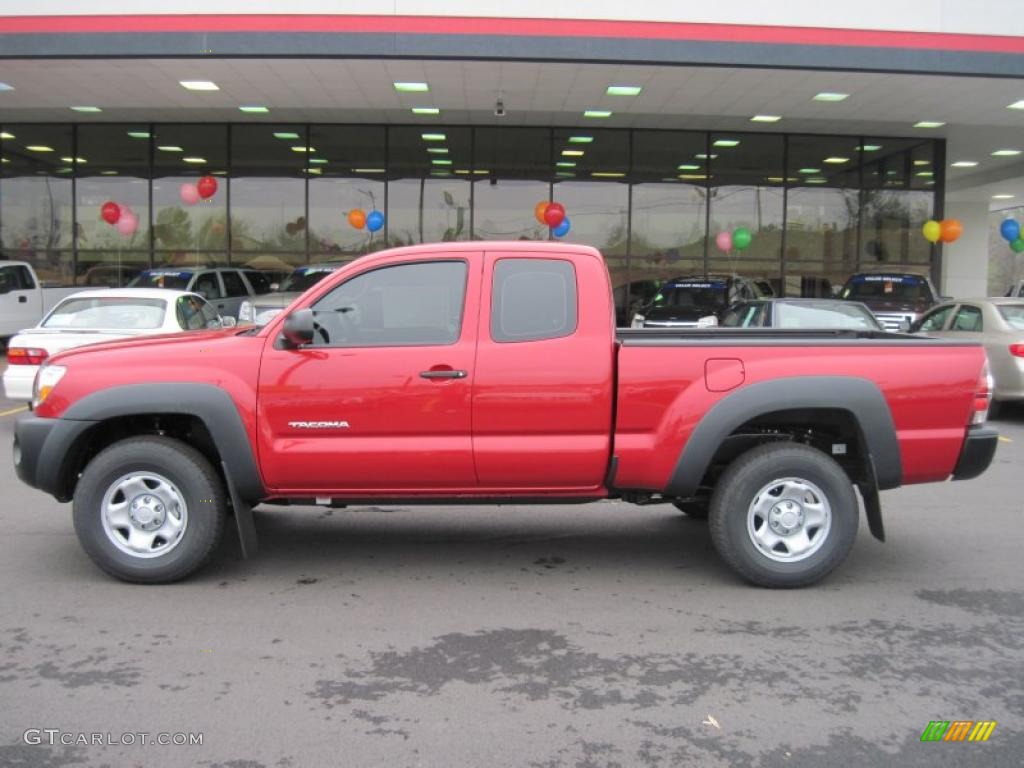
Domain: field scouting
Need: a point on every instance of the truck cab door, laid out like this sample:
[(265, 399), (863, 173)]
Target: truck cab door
[(20, 299), (378, 404)]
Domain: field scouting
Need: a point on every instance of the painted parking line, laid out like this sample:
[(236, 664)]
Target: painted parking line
[(14, 411)]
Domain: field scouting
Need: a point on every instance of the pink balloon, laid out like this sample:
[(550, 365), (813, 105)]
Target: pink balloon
[(127, 224), (724, 241), (189, 194)]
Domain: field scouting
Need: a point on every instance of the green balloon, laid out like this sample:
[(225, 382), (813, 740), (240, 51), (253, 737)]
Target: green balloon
[(741, 238), (1017, 245)]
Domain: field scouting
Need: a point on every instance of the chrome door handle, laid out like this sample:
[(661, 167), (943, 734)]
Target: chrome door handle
[(443, 374)]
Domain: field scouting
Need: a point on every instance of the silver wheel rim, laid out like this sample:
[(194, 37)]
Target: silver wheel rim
[(144, 514), (789, 519)]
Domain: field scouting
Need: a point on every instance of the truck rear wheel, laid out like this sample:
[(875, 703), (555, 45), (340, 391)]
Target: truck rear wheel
[(783, 515), (149, 510)]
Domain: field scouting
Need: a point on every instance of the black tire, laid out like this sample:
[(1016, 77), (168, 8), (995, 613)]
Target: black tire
[(741, 483), (695, 510), (199, 485)]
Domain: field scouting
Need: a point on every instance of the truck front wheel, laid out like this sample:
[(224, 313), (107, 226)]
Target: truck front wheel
[(149, 510), (783, 515)]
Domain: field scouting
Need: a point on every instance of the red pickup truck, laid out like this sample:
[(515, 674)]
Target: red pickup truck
[(491, 373)]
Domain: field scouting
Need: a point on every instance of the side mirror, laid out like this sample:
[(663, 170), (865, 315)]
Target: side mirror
[(228, 322), (904, 326), (298, 328)]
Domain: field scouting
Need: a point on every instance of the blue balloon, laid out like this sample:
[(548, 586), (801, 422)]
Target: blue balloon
[(374, 220), (562, 229), (1010, 230)]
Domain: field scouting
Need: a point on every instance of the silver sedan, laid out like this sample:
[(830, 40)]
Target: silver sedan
[(996, 323)]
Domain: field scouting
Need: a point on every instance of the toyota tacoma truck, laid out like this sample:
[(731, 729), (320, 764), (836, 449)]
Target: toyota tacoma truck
[(492, 373)]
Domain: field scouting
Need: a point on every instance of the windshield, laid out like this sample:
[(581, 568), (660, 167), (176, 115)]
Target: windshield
[(107, 312), (1013, 314), (822, 315), (162, 278), (910, 288), (304, 278), (699, 294)]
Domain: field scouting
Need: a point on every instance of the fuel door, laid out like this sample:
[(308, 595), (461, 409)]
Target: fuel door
[(723, 373)]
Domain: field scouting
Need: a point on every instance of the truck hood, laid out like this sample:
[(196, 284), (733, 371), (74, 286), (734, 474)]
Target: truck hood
[(170, 343)]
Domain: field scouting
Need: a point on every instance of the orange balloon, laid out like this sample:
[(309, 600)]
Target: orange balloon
[(538, 211), (357, 218), (951, 230)]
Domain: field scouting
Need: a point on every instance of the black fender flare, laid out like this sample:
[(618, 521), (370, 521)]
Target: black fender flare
[(860, 397), (210, 404)]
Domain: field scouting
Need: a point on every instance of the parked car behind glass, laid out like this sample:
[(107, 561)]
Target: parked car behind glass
[(811, 314)]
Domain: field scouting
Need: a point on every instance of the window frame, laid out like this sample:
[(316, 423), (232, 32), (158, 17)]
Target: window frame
[(960, 308), (948, 308)]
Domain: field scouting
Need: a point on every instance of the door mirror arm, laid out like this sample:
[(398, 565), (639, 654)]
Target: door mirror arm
[(298, 329)]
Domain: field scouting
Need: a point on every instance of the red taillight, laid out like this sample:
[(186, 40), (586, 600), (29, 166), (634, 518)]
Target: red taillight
[(26, 356), (1017, 350), (982, 396)]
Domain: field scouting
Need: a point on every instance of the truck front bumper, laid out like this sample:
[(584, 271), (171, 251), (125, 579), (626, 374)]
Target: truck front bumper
[(42, 450), (977, 452)]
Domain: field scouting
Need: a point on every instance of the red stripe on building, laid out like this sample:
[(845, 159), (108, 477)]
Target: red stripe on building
[(464, 25)]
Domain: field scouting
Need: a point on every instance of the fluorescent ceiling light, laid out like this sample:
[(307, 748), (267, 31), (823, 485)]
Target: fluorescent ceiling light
[(692, 176), (580, 139), (255, 110), (831, 96), (170, 148), (6, 87), (869, 148), (481, 172), (1002, 197), (572, 153), (433, 136), (929, 124), (607, 174), (317, 160), (816, 181), (73, 160), (726, 143), (837, 160), (765, 118), (6, 135), (623, 90), (411, 87), (194, 160), (1006, 153), (689, 167), (922, 162), (597, 113), (924, 174), (426, 111), (138, 134), (463, 171), (199, 85), (810, 170), (706, 157), (86, 109), (316, 171), (1015, 105), (965, 163), (285, 135), (437, 150), (367, 170), (300, 148), (108, 173), (440, 161), (565, 164), (565, 174), (39, 148)]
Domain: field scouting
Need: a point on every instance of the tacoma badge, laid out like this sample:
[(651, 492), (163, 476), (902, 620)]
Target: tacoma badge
[(318, 424)]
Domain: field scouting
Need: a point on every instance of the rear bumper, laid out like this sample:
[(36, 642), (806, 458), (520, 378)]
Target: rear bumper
[(42, 449), (977, 452)]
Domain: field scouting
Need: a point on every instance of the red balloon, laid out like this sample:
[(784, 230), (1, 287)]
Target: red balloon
[(554, 214), (207, 187), (111, 212), (951, 230)]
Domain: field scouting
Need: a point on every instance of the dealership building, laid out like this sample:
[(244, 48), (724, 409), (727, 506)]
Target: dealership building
[(831, 133)]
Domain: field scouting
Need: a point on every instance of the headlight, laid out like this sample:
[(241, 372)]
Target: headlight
[(246, 313), (46, 380)]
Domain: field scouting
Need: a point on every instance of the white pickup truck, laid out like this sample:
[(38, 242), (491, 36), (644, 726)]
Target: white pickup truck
[(23, 299)]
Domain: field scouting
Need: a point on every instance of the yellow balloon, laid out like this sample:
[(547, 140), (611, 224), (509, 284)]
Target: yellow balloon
[(932, 231)]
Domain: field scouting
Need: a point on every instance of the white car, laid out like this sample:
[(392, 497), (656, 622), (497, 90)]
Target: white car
[(91, 317)]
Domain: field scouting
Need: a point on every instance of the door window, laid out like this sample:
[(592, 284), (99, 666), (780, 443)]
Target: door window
[(207, 285), (259, 282), (967, 319), (404, 305), (935, 320), (533, 299), (233, 284), (194, 314)]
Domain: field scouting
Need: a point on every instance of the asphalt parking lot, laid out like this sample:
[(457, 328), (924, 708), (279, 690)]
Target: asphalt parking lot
[(593, 636)]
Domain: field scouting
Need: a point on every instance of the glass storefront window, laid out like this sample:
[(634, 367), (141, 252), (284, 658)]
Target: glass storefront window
[(516, 167), (35, 198), (429, 175), (189, 229), (268, 192), (346, 173)]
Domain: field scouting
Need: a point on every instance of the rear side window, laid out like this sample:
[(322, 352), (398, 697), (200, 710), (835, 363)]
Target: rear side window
[(259, 282), (233, 284), (17, 278), (967, 319), (533, 299)]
